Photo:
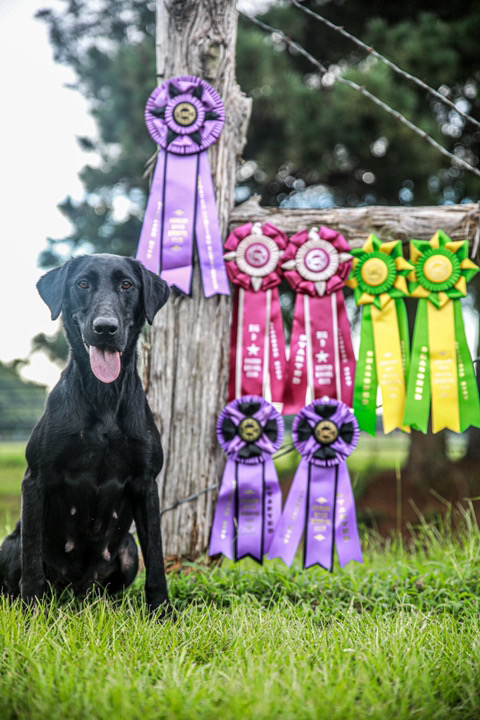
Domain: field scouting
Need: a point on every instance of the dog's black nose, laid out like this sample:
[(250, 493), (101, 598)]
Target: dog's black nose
[(105, 326)]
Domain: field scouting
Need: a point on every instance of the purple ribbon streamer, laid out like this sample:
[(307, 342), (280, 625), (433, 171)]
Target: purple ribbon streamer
[(320, 517), (209, 238), (347, 540), (255, 502), (273, 504), (149, 250), (250, 513), (182, 205), (223, 529), (320, 499), (178, 221), (291, 525)]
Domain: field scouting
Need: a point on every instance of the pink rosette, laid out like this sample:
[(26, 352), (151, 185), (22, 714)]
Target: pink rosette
[(257, 359), (316, 264), (259, 249)]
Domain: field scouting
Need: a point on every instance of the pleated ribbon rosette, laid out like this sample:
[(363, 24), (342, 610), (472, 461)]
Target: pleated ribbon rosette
[(249, 503), (441, 371), (379, 280), (257, 355), (184, 116), (317, 263), (320, 504)]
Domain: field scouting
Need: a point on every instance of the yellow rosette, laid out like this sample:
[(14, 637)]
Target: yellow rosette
[(378, 277), (441, 372)]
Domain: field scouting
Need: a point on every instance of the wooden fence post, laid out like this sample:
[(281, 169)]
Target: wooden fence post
[(186, 369)]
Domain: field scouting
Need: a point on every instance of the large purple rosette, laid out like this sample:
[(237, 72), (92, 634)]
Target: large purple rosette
[(184, 116), (320, 502), (249, 503)]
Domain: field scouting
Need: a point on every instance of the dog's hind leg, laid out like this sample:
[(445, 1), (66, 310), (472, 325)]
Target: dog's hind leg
[(10, 564)]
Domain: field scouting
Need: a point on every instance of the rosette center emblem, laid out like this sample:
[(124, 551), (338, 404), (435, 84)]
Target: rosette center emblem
[(325, 432), (257, 255)]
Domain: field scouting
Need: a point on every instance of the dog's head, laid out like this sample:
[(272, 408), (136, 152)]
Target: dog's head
[(104, 301)]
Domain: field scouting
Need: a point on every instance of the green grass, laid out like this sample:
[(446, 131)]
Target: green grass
[(12, 469), (396, 637)]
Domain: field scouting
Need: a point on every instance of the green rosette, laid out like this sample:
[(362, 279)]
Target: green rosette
[(441, 371), (378, 278)]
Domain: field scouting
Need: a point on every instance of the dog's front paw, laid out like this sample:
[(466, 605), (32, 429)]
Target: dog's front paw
[(164, 612), (32, 593)]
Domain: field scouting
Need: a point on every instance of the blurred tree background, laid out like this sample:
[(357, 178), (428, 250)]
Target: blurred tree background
[(312, 142), (308, 135)]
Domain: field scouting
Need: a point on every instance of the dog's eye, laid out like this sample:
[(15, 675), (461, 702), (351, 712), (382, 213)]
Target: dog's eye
[(83, 284), (126, 285)]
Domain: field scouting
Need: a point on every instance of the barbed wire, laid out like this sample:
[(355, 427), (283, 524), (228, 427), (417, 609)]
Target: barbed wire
[(283, 451), (341, 30), (363, 91)]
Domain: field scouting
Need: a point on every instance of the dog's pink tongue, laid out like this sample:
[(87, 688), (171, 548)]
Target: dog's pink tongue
[(105, 364)]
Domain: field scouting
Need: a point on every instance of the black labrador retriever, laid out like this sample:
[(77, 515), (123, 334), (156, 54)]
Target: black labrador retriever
[(94, 455)]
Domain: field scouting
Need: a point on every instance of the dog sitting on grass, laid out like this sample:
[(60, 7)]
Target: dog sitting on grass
[(94, 455)]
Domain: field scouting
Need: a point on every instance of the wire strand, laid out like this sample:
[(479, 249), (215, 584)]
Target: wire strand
[(283, 451), (366, 93), (386, 61)]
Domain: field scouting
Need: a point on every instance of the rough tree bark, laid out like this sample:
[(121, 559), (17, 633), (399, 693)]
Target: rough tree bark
[(186, 369), (460, 222)]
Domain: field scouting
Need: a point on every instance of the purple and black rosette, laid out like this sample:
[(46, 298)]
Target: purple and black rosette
[(184, 116), (320, 504), (249, 503)]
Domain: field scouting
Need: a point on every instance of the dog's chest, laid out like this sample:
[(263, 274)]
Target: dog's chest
[(101, 454)]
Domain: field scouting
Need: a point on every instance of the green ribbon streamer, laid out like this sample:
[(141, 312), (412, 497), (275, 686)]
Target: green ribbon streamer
[(404, 335), (469, 404), (365, 393), (417, 407)]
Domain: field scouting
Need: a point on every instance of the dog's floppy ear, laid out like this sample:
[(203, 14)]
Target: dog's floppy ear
[(51, 287), (155, 292)]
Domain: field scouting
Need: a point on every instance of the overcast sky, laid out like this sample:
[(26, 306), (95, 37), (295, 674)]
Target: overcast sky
[(39, 162)]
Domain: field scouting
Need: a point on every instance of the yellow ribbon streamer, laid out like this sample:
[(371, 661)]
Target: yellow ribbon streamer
[(390, 373), (443, 367)]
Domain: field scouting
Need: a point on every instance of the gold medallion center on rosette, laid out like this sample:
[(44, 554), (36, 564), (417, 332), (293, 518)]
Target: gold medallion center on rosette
[(249, 429), (374, 272), (438, 268), (185, 114), (326, 432)]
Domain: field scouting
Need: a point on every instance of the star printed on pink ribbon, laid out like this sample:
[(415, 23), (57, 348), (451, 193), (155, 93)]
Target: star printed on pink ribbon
[(317, 261)]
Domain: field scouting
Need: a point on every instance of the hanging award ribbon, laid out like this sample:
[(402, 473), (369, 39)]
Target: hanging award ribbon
[(378, 278), (441, 367), (257, 356), (249, 503), (320, 502), (317, 263), (184, 116)]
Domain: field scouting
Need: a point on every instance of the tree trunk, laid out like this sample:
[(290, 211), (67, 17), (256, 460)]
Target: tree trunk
[(186, 372)]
